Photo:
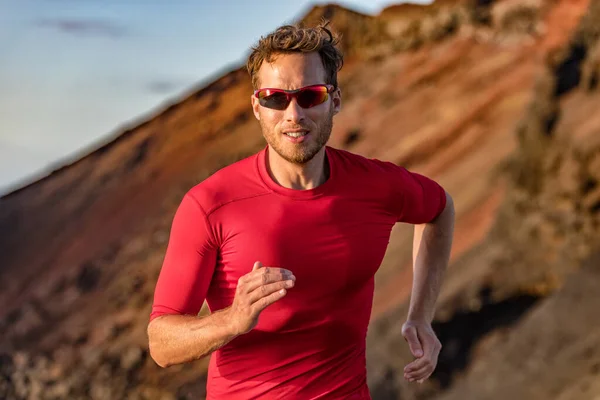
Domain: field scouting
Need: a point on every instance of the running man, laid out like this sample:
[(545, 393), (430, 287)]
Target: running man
[(284, 245)]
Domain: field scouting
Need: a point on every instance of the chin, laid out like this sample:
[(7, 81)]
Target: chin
[(297, 156)]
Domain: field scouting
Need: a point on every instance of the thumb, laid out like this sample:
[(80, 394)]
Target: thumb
[(413, 341), (257, 265)]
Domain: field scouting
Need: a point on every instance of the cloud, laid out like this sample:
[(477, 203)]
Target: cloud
[(165, 86), (84, 27)]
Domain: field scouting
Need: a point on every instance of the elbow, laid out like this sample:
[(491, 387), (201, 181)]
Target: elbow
[(449, 203), (158, 360), (447, 214), (448, 211), (155, 349)]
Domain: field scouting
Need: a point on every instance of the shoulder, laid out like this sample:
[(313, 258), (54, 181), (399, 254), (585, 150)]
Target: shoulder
[(359, 166), (234, 182), (377, 177)]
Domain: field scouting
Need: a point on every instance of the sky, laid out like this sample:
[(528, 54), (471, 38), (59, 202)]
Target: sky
[(75, 72)]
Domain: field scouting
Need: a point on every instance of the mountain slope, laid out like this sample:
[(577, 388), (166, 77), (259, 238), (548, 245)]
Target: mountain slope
[(463, 92)]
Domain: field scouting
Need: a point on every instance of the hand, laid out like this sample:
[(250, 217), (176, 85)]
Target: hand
[(424, 346), (256, 291)]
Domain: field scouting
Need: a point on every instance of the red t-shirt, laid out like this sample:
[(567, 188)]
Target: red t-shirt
[(311, 343)]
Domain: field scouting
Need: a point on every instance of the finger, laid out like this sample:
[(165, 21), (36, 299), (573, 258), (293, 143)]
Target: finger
[(257, 272), (265, 276), (424, 378), (268, 300), (419, 364), (266, 290), (256, 266), (419, 374), (410, 335), (430, 356)]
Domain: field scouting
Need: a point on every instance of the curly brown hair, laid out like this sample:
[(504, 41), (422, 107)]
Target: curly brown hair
[(297, 39)]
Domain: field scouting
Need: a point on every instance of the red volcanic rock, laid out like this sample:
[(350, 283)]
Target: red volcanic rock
[(495, 100)]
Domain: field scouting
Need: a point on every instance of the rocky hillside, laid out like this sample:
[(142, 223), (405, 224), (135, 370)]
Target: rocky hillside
[(518, 313), (495, 100)]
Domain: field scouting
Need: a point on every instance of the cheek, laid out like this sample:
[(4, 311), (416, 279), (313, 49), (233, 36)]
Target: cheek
[(318, 117), (270, 119)]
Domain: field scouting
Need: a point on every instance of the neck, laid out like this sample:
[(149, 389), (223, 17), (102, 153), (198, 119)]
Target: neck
[(298, 176)]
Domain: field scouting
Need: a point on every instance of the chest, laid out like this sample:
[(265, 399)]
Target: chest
[(330, 245)]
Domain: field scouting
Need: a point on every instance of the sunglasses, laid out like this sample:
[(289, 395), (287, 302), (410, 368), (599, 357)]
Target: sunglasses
[(306, 97)]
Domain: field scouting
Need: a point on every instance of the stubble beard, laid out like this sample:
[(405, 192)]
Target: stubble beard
[(300, 153)]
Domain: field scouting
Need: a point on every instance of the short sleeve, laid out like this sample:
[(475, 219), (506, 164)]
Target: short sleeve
[(188, 264), (413, 198)]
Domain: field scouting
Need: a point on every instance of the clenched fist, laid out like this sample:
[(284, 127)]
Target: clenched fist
[(256, 291)]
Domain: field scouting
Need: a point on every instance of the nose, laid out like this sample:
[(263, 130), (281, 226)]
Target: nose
[(294, 113)]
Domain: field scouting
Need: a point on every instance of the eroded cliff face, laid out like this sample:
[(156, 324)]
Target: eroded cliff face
[(523, 324), (495, 100)]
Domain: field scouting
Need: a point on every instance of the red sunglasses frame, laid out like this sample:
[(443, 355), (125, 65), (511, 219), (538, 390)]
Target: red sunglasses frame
[(290, 94)]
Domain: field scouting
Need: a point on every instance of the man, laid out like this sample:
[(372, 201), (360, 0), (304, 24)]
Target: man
[(284, 246)]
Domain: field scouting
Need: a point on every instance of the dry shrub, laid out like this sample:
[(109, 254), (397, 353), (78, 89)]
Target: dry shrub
[(522, 19)]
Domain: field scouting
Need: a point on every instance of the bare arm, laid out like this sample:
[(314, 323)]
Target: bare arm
[(431, 254), (176, 339)]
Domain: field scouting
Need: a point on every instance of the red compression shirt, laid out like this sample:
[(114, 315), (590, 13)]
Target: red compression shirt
[(311, 343)]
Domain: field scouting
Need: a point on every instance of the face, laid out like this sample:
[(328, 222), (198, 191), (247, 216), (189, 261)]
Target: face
[(289, 72)]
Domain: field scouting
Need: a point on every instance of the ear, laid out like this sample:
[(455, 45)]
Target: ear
[(255, 106), (336, 97)]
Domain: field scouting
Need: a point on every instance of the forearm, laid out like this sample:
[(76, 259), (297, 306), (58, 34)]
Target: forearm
[(177, 339), (431, 252)]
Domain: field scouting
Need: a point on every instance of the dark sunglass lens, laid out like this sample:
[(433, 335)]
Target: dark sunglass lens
[(311, 97), (277, 101)]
